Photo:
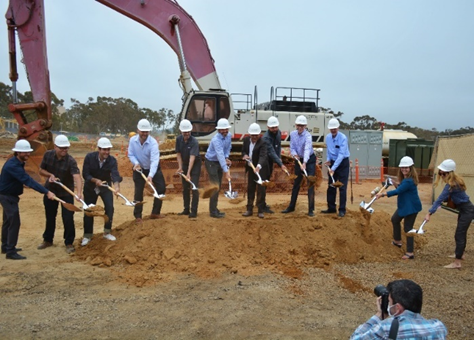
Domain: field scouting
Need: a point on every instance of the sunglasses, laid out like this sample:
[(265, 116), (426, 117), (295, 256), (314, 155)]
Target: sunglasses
[(441, 173), (300, 125), (63, 147)]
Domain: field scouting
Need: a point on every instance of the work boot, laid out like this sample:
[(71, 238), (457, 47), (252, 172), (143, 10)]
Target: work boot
[(44, 245), (156, 216), (247, 213), (15, 256), (184, 212), (192, 215)]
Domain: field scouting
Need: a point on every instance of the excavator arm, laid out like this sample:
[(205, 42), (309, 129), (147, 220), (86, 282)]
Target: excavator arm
[(26, 19)]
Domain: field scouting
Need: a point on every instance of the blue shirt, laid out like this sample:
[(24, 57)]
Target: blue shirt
[(219, 149), (301, 145), (337, 149), (13, 178), (458, 196), (147, 155), (408, 200), (412, 326)]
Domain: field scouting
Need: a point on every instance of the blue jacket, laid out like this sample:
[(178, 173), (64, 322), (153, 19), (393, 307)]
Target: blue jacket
[(408, 201)]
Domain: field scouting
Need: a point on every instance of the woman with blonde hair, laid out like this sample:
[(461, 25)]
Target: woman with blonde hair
[(408, 204), (455, 190)]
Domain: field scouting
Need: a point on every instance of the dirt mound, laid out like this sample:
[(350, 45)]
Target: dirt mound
[(158, 250)]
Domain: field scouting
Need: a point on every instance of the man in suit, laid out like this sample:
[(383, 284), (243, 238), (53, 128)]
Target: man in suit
[(255, 151)]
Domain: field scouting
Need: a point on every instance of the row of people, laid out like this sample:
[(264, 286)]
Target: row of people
[(260, 152)]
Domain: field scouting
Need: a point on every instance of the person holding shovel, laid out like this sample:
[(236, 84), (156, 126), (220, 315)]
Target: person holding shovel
[(254, 151), (217, 162), (189, 164), (338, 168), (99, 167), (12, 180), (144, 153), (56, 165), (408, 204), (301, 148), (454, 191), (272, 138)]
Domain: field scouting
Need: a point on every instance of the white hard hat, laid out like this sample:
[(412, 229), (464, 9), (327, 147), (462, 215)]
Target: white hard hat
[(185, 126), (144, 125), (223, 124), (447, 165), (104, 143), (22, 145), (254, 129), (273, 122), (62, 141), (406, 162), (333, 123), (301, 120)]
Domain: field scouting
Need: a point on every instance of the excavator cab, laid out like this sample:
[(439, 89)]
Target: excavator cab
[(205, 109)]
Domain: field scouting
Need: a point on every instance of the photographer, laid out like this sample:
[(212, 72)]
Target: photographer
[(405, 299)]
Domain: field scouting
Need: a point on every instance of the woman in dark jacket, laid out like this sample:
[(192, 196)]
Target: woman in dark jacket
[(408, 204), (455, 189)]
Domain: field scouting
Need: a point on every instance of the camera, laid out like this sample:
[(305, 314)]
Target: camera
[(381, 290)]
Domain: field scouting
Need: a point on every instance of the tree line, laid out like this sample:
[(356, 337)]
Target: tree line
[(120, 116), (96, 115)]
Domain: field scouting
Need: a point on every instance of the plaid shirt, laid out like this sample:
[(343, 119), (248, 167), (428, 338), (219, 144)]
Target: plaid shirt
[(62, 169), (412, 326)]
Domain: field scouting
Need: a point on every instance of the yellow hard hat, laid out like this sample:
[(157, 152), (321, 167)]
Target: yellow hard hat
[(131, 134)]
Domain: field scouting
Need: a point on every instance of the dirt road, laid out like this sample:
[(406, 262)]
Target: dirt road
[(283, 277)]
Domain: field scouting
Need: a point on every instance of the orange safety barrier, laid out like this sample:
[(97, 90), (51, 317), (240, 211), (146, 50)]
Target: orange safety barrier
[(357, 171)]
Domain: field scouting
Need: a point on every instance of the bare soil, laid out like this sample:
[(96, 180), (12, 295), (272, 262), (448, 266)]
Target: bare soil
[(287, 276)]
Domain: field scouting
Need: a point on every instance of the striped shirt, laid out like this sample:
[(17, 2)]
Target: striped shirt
[(301, 145), (412, 326), (147, 155)]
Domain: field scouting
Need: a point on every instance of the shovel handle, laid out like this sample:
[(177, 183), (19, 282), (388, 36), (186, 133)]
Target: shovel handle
[(58, 199), (67, 189)]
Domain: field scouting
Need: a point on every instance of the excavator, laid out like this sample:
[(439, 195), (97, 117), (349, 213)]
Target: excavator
[(203, 106)]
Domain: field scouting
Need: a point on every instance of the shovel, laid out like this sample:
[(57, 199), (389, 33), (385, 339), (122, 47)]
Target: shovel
[(311, 179), (193, 187), (155, 194), (68, 206), (127, 202), (420, 230), (230, 194), (334, 184), (84, 205), (366, 206), (259, 181)]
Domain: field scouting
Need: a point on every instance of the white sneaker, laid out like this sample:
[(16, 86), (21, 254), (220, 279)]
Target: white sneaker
[(110, 237), (85, 241)]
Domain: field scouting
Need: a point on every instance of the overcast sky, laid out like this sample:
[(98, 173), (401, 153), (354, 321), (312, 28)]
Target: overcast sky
[(406, 61)]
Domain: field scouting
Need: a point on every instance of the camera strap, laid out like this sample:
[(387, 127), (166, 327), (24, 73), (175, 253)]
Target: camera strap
[(392, 335)]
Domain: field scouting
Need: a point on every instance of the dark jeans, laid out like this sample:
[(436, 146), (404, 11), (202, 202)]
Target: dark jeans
[(51, 210), (11, 223), (310, 170), (252, 186), (90, 197), (342, 175), (215, 177), (407, 226), (465, 217), (187, 192), (159, 184)]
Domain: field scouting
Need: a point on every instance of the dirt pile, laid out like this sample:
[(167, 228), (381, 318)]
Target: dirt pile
[(159, 250)]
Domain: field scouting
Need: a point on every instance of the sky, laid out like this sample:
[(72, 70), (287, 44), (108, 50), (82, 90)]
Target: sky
[(406, 61)]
